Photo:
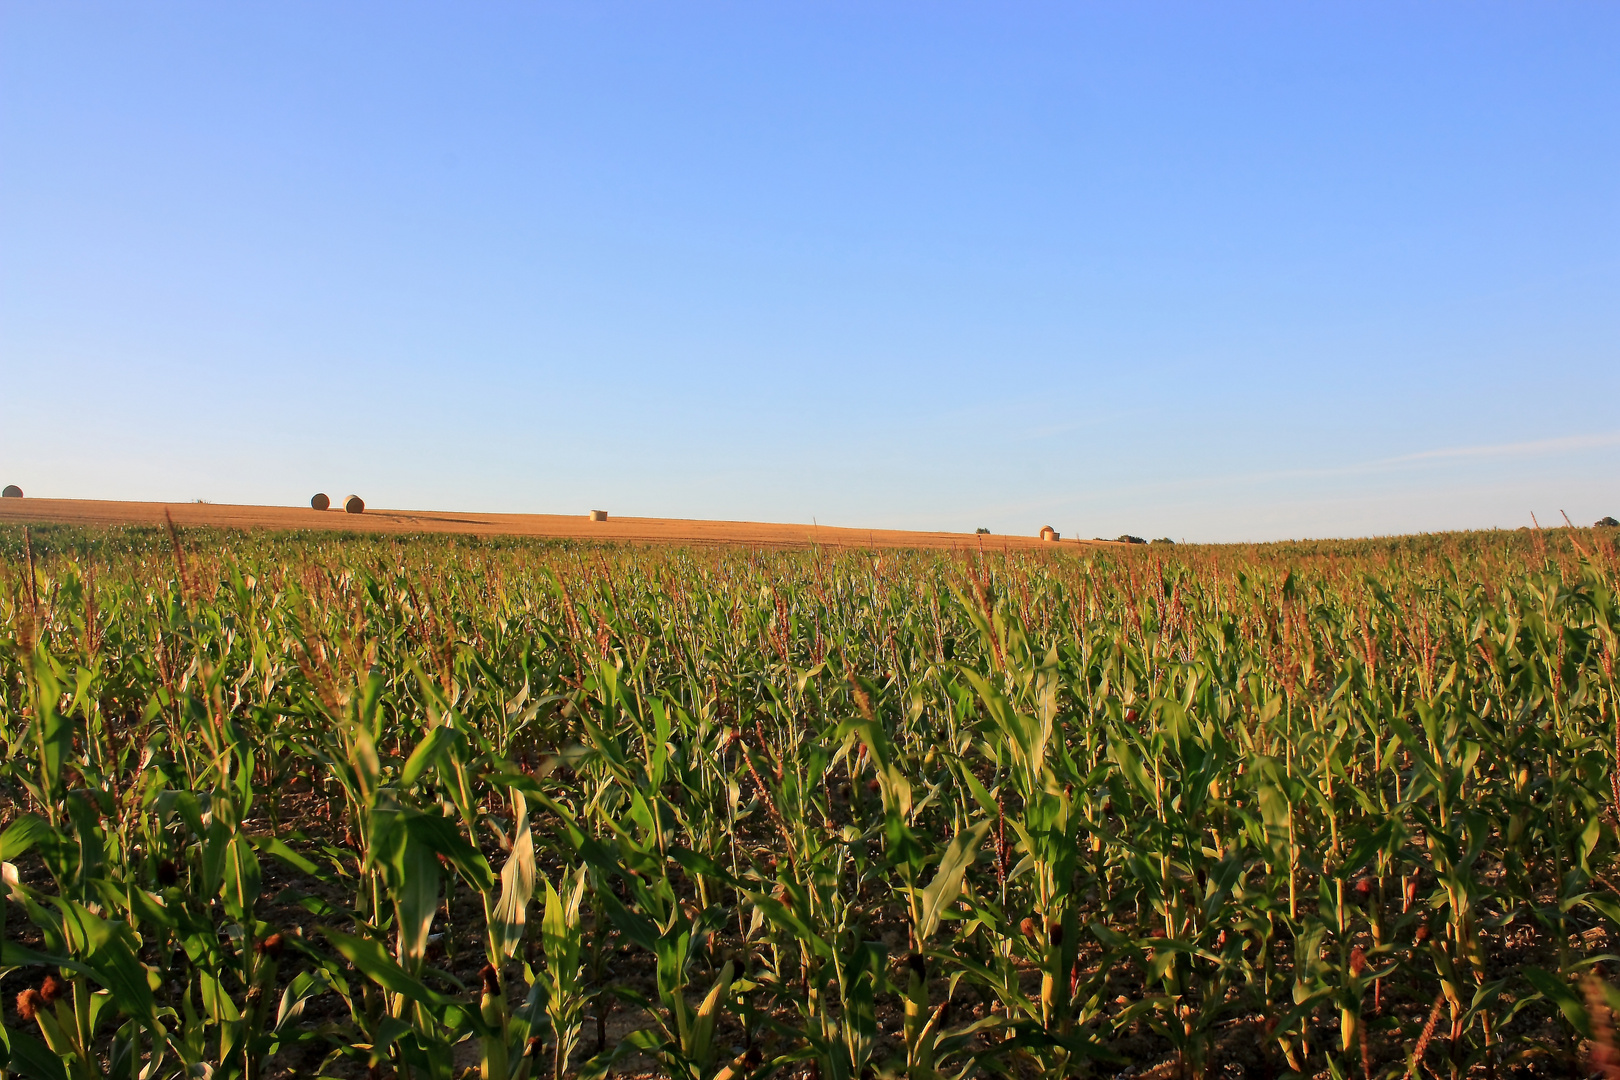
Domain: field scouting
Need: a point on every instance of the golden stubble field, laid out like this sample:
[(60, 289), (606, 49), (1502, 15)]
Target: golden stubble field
[(96, 513)]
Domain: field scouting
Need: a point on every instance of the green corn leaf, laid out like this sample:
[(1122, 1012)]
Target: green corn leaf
[(305, 986), (53, 731), (107, 950), (426, 755), (22, 834), (1561, 994), (375, 963), (277, 849), (142, 906), (216, 841), (440, 836), (517, 884), (936, 899), (33, 1059), (1029, 1035), (216, 1002), (694, 863), (241, 878), (700, 1043), (15, 955), (560, 939), (788, 919), (412, 871)]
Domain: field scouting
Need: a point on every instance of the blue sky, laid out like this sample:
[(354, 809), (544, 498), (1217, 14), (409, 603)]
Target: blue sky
[(1212, 271)]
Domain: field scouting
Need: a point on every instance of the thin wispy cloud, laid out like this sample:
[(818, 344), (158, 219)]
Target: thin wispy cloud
[(1568, 444), (1534, 448)]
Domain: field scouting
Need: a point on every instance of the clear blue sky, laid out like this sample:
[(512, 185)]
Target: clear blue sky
[(1212, 271)]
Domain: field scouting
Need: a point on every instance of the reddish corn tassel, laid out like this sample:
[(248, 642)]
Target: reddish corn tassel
[(29, 1004)]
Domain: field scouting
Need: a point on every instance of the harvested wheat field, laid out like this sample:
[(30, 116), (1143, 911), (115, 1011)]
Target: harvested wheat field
[(93, 512)]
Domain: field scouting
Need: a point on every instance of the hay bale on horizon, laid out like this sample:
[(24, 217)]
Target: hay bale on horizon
[(598, 515), (354, 504), (1049, 533), (320, 501), (12, 492)]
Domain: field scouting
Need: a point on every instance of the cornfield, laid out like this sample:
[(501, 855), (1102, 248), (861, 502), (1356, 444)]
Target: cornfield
[(439, 807)]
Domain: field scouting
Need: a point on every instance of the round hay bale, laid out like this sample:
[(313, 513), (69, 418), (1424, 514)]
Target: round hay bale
[(320, 501), (12, 492), (354, 504), (1048, 533), (598, 515)]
